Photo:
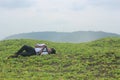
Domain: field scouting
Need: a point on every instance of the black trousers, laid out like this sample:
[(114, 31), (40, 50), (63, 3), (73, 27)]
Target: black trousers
[(26, 51)]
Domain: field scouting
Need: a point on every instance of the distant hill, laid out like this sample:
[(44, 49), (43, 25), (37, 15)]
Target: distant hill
[(78, 36)]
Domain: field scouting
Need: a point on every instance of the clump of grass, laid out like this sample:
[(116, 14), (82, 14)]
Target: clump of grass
[(97, 60)]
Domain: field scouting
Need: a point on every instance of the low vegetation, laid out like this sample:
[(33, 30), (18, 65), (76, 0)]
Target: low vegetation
[(97, 60)]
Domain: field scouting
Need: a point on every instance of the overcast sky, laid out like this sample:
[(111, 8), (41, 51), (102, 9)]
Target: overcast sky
[(22, 16)]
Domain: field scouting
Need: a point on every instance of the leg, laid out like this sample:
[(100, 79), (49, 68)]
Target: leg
[(26, 48), (26, 54), (28, 51)]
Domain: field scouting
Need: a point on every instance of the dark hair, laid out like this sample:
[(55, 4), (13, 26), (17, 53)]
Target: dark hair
[(53, 51)]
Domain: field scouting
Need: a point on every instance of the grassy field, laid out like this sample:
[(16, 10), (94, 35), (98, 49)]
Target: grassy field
[(96, 60)]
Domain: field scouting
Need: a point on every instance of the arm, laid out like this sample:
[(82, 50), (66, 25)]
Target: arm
[(43, 47)]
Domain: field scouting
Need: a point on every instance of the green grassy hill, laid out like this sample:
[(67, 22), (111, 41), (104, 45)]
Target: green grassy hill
[(97, 60)]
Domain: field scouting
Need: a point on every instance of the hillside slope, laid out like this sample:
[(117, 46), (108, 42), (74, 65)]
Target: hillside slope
[(96, 60), (79, 36)]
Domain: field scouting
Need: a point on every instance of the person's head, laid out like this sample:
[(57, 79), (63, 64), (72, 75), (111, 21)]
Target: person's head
[(53, 51)]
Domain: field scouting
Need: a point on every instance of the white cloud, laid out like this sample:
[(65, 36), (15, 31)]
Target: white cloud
[(11, 4), (106, 4), (59, 15)]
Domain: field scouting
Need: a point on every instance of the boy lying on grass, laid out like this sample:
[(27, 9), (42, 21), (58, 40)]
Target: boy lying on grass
[(40, 49)]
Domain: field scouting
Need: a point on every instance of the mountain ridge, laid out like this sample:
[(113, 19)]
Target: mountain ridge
[(75, 37)]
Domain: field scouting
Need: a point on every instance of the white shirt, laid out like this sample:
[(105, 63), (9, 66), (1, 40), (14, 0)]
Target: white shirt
[(37, 50), (44, 53)]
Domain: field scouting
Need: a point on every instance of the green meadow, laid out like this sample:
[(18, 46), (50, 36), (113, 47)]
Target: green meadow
[(96, 60)]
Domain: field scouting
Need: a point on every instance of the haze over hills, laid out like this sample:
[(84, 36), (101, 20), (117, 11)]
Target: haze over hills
[(78, 36)]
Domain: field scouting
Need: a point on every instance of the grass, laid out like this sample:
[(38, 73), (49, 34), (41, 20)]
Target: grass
[(96, 60)]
